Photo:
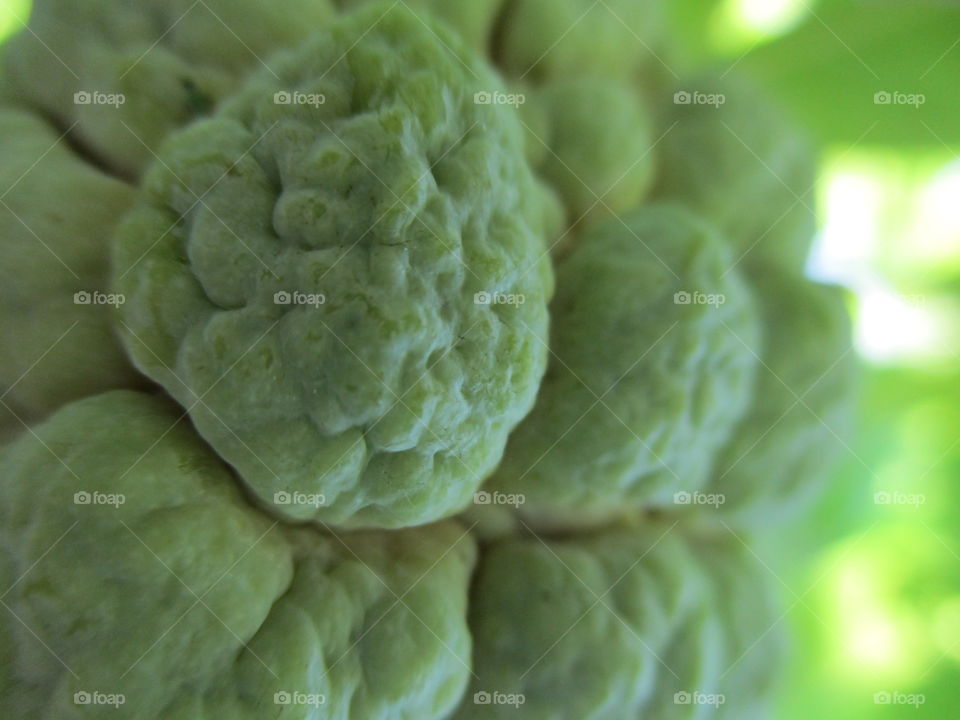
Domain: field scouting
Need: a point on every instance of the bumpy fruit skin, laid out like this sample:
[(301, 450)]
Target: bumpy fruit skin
[(549, 39), (56, 216), (613, 625), (642, 389), (343, 277), (401, 206), (746, 167), (588, 128), (782, 452), (596, 145), (172, 60), (473, 21), (167, 587)]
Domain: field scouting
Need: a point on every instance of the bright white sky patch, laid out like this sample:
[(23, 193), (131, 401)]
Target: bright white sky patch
[(843, 252), (891, 325), (935, 235), (768, 17)]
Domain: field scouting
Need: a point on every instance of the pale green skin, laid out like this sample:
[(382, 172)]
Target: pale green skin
[(589, 132), (593, 139), (473, 20), (377, 621), (783, 451), (750, 171), (549, 39), (56, 217), (395, 397), (183, 596), (609, 625), (747, 168), (673, 378), (171, 62)]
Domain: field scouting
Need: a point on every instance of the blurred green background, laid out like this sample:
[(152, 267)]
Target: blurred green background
[(873, 595)]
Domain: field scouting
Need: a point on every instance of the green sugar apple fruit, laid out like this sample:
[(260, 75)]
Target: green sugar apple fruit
[(110, 613), (141, 580), (649, 370), (333, 230), (473, 21), (791, 437), (623, 623), (57, 339), (539, 40), (596, 140), (588, 131), (124, 75), (741, 163), (544, 39), (343, 275)]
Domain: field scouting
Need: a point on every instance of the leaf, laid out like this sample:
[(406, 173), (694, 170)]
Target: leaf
[(873, 71)]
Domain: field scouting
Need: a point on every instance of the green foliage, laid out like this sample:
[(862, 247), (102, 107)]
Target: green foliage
[(829, 69)]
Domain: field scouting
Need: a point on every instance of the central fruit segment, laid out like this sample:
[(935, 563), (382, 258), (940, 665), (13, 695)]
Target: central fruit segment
[(343, 276)]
